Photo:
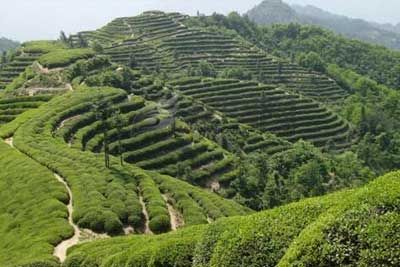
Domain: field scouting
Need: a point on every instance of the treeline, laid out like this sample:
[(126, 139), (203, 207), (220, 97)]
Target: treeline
[(289, 41)]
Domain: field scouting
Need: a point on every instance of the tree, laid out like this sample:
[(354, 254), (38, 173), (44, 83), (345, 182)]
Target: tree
[(173, 124), (132, 61), (312, 61), (96, 46), (206, 69), (81, 41), (237, 73), (396, 74), (63, 37), (70, 42), (102, 112), (3, 57), (119, 123)]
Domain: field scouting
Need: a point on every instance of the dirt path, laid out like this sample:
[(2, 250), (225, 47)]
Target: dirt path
[(176, 217), (129, 230), (146, 217), (130, 28), (62, 124), (84, 235), (9, 141), (88, 235), (69, 87), (213, 185), (60, 251)]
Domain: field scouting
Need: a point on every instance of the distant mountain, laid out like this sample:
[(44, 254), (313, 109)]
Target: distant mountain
[(6, 44), (388, 27), (276, 11), (273, 11)]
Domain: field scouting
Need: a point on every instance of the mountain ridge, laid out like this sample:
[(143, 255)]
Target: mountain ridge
[(277, 11), (7, 44)]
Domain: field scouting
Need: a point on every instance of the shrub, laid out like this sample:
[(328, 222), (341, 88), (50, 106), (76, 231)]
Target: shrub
[(42, 47), (160, 224), (112, 224), (64, 57)]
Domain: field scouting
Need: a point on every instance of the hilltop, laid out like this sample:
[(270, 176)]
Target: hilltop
[(278, 12), (197, 141)]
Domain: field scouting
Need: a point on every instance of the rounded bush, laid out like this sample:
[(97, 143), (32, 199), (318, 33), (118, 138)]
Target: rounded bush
[(135, 221), (92, 220), (112, 224), (160, 224)]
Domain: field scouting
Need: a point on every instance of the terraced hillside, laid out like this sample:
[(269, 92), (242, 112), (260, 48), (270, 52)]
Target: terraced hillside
[(148, 137), (11, 108), (227, 132), (43, 128), (313, 232), (24, 57), (149, 151), (270, 109), (162, 41), (12, 70)]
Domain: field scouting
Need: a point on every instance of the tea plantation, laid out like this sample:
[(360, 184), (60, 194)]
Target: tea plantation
[(169, 140)]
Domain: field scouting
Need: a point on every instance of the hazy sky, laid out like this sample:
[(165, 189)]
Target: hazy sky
[(43, 19)]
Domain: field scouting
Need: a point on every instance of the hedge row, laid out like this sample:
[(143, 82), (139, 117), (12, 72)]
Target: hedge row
[(64, 57), (33, 212), (355, 228)]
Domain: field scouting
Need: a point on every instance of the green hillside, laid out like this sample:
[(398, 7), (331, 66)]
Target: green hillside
[(169, 140), (352, 228)]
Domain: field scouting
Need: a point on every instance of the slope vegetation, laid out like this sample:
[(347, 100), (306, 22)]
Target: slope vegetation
[(173, 42), (33, 212), (270, 109), (107, 200), (353, 228)]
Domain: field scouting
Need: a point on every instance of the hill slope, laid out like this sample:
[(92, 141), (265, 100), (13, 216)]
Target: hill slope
[(276, 11), (313, 232), (160, 122)]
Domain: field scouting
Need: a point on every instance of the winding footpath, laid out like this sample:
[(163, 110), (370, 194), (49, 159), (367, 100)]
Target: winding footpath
[(10, 142), (146, 216), (175, 216), (60, 251)]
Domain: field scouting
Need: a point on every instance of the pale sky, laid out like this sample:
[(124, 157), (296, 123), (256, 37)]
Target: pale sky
[(43, 19)]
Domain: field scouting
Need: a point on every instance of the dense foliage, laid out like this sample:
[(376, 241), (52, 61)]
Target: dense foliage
[(300, 172), (374, 109), (277, 11)]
